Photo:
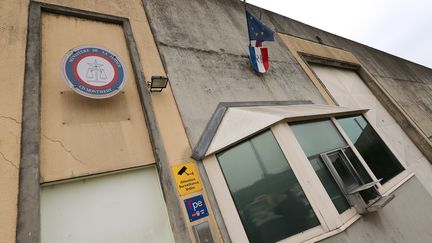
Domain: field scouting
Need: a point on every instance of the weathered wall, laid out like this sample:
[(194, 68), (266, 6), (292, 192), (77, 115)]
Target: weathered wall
[(82, 136), (407, 218), (205, 50), (204, 45), (171, 137), (13, 29), (408, 83), (398, 137)]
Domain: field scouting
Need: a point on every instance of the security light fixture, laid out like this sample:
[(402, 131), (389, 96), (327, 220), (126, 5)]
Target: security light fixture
[(157, 83)]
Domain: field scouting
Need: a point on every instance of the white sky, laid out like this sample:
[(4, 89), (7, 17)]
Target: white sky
[(399, 27)]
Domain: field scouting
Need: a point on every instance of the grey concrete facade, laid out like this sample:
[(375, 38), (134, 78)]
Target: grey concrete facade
[(206, 58), (204, 48), (405, 219)]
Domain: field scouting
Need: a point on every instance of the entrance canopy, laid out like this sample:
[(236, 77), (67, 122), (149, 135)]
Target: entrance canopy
[(233, 122)]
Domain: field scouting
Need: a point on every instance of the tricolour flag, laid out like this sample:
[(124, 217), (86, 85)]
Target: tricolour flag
[(258, 33), (259, 58)]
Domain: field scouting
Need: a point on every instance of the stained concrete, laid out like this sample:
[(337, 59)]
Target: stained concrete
[(204, 47), (407, 218), (28, 225), (408, 83)]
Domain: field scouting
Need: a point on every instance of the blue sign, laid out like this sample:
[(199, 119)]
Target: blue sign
[(196, 208), (94, 71)]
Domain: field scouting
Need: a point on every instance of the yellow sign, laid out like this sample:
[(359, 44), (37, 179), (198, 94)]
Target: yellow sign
[(187, 178)]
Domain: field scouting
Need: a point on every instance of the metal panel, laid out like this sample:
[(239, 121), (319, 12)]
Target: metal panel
[(203, 233)]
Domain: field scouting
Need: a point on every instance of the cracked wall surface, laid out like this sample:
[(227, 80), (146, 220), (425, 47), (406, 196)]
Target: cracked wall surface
[(172, 135), (408, 83), (205, 50), (13, 29), (82, 136)]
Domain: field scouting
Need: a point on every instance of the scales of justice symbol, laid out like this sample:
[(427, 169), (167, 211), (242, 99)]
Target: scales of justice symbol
[(95, 73)]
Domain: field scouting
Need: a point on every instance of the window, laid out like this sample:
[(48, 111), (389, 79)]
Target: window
[(377, 155), (270, 201), (316, 138), (297, 173), (338, 168), (124, 207), (323, 143)]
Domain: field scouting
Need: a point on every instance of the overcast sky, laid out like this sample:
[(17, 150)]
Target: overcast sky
[(399, 27)]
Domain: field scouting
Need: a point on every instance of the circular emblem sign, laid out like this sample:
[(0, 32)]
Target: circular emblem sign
[(93, 71)]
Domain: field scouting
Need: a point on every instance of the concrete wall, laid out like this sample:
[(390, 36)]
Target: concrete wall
[(170, 144), (13, 29), (204, 48), (407, 218), (408, 83), (204, 45)]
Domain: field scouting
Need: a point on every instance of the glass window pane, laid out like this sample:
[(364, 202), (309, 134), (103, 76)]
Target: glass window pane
[(363, 174), (377, 155), (329, 183), (124, 207), (268, 197), (348, 178), (315, 138)]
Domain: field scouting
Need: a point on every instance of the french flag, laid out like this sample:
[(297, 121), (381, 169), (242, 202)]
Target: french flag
[(258, 33), (259, 58)]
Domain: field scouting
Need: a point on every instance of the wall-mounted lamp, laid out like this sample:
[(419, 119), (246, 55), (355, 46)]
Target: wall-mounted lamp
[(157, 83)]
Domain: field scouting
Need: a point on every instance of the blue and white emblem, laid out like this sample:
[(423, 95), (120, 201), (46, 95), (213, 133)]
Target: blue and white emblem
[(94, 71)]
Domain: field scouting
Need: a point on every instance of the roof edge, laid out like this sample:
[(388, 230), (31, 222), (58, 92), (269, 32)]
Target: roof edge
[(206, 138)]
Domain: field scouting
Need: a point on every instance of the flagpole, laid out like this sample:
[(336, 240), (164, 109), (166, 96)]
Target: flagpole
[(244, 4)]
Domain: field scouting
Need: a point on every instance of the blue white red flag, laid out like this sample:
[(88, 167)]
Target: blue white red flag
[(259, 58), (258, 33)]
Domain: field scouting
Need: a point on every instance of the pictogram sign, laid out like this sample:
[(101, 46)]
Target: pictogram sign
[(187, 178)]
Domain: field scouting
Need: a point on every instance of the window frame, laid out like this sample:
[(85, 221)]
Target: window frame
[(331, 222), (390, 185)]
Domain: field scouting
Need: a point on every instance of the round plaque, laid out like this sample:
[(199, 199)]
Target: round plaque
[(94, 71)]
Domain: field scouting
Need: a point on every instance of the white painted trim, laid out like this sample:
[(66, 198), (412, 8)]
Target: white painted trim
[(382, 188), (296, 157), (336, 231), (331, 221), (389, 145), (354, 149), (238, 119), (224, 199), (399, 184), (394, 182), (306, 176), (304, 236)]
